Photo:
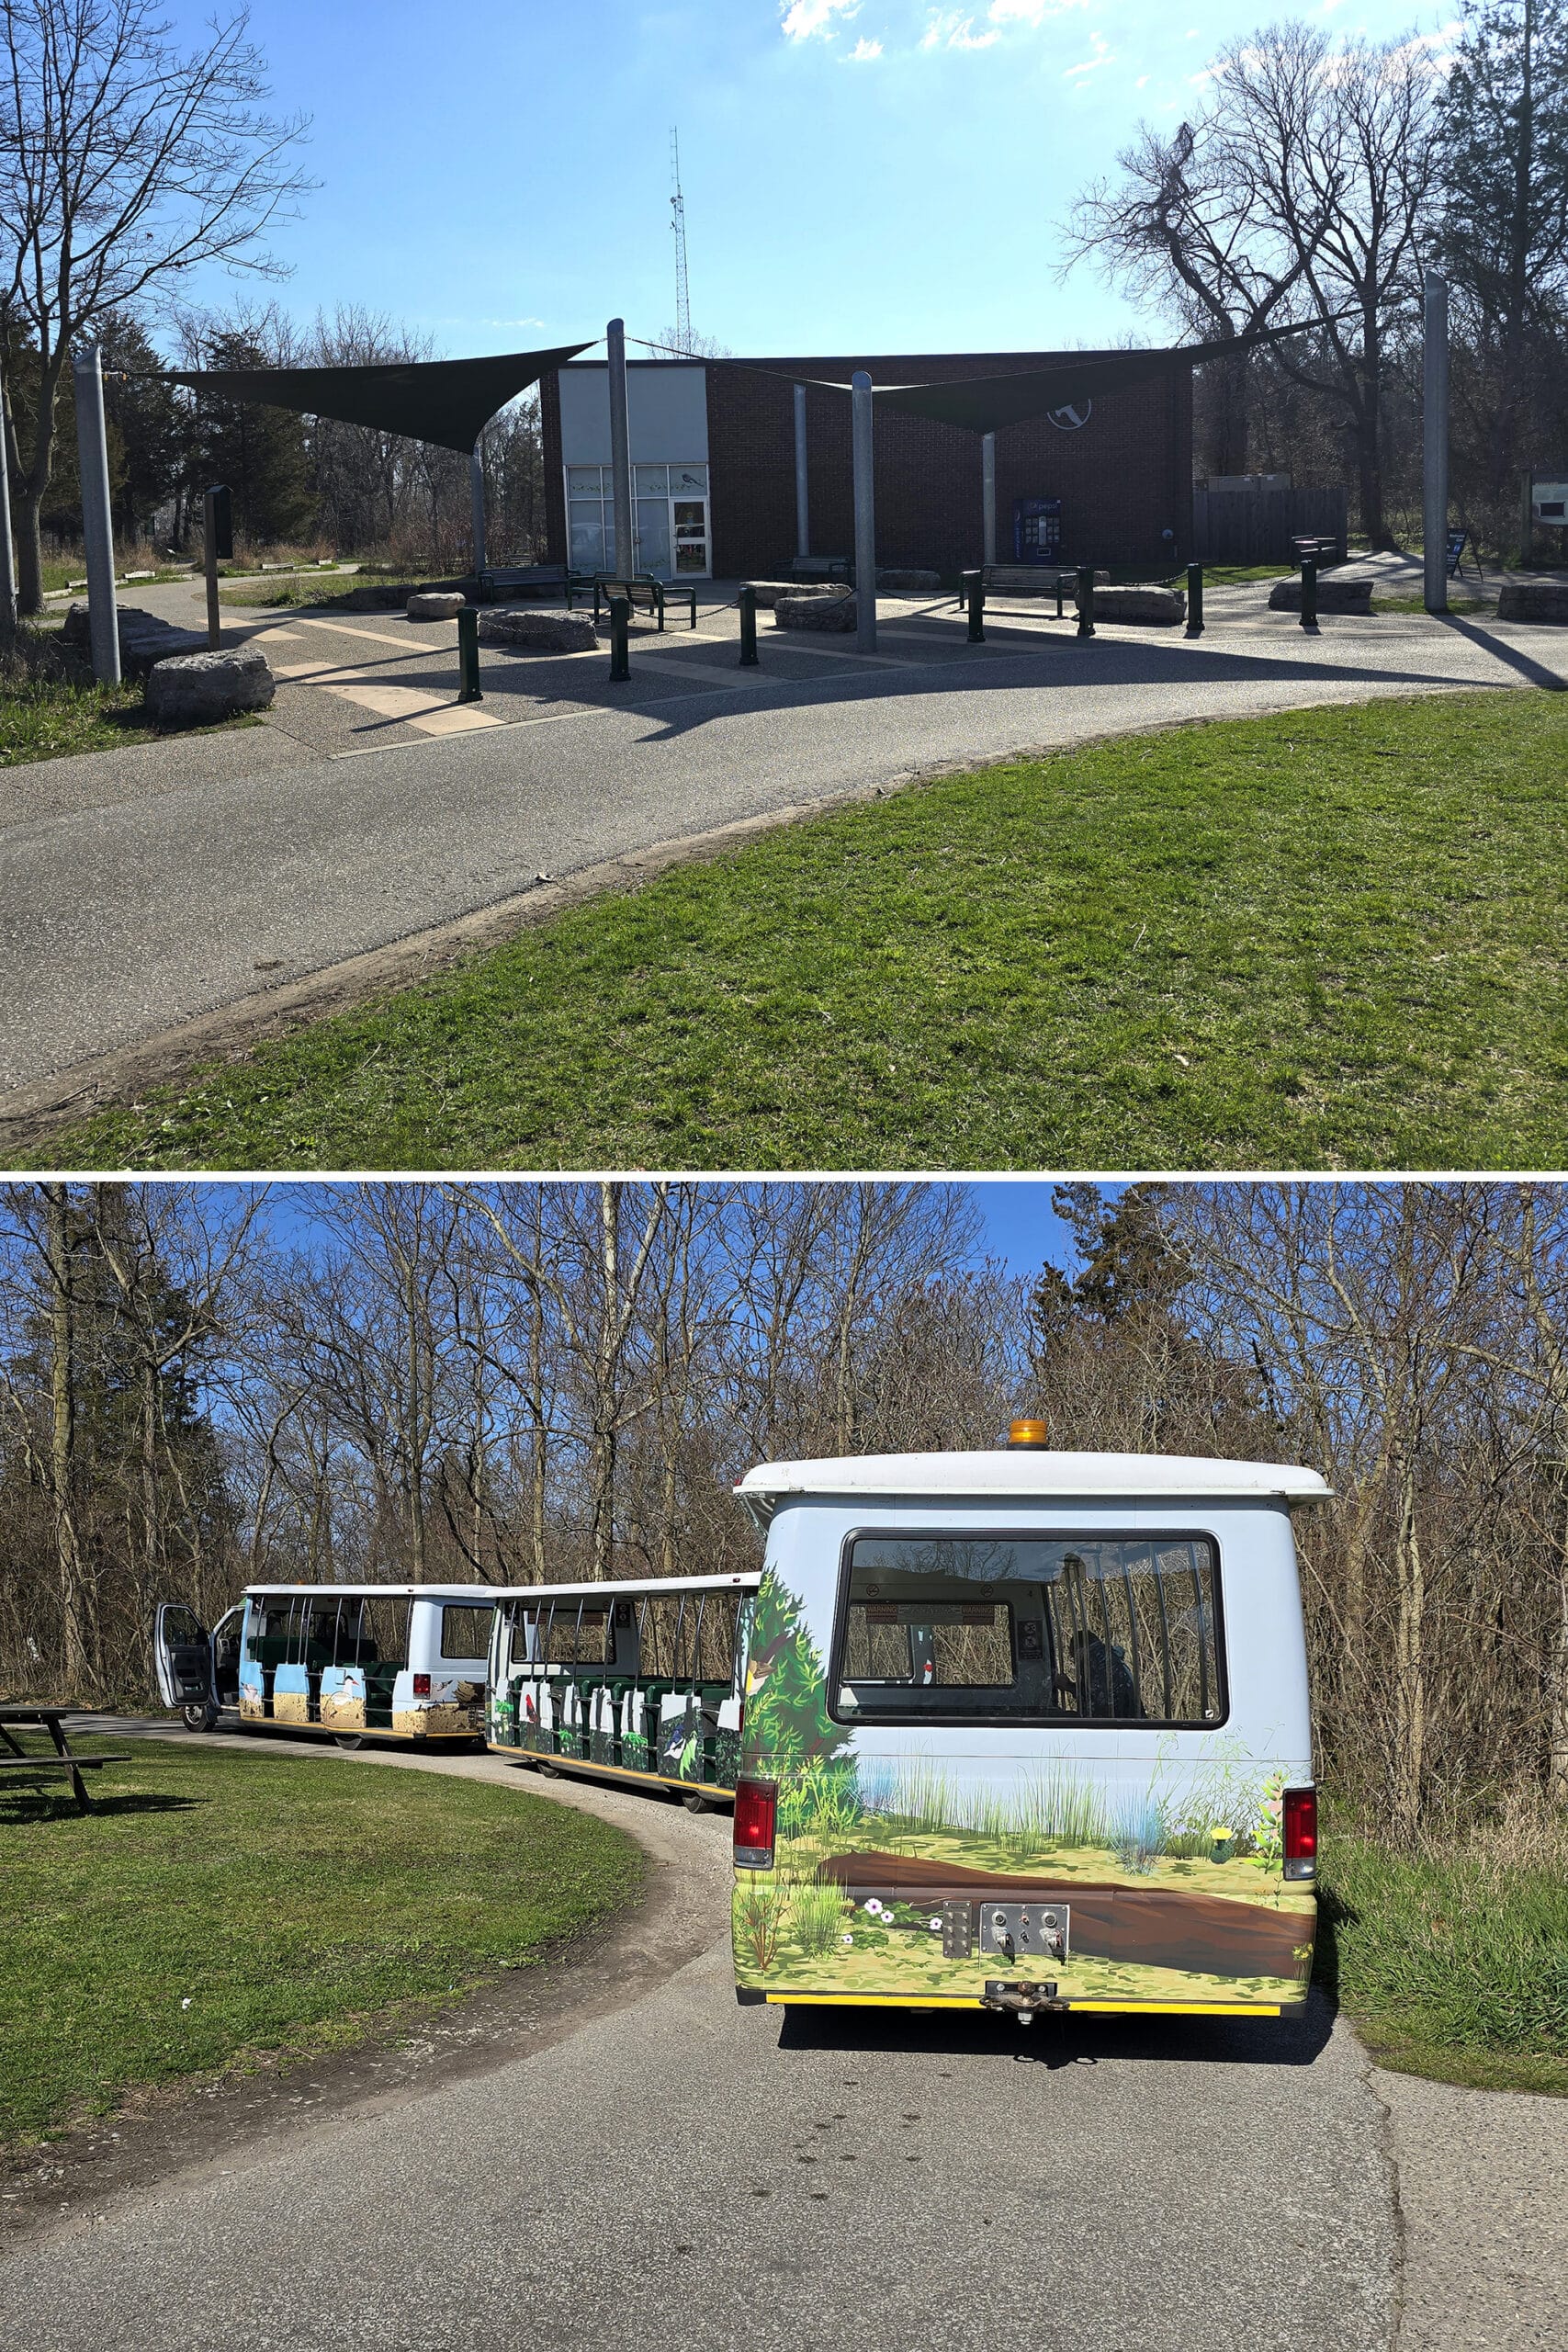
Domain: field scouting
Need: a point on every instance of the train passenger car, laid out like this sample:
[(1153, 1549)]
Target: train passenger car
[(638, 1680), (385, 1661), (1027, 1731)]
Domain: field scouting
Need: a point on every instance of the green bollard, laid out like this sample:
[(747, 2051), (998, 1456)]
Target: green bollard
[(749, 628), (975, 599), (620, 625), (1086, 599), (1309, 594), (469, 655), (1194, 600)]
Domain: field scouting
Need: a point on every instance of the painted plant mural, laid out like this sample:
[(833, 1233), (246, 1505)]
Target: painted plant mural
[(900, 1877)]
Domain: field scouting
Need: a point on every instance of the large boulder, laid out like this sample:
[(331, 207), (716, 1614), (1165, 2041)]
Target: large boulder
[(831, 609), (1161, 606), (436, 604), (1533, 600), (768, 592), (195, 689), (145, 638), (1339, 592), (554, 632)]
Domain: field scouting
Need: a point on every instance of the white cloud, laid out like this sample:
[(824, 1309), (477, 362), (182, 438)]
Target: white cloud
[(951, 29), (863, 52), (800, 19), (1103, 54), (1031, 12)]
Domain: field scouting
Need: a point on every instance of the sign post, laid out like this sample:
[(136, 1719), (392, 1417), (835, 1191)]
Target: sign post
[(620, 449), (866, 515), (218, 515), (801, 485), (97, 524), (1435, 445)]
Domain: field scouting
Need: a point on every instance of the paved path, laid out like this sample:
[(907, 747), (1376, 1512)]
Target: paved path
[(147, 897), (683, 2171)]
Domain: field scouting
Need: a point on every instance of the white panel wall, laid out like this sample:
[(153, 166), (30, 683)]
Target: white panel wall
[(668, 407)]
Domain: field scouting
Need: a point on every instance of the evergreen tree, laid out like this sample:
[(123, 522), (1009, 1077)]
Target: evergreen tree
[(1504, 230), (261, 453)]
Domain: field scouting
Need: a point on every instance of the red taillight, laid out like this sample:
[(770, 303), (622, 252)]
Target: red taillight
[(1299, 1827), (421, 1685), (756, 1813)]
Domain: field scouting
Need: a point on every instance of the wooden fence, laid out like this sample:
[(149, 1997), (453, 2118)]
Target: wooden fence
[(1257, 526)]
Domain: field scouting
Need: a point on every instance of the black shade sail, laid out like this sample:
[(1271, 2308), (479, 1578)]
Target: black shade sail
[(986, 404), (448, 401)]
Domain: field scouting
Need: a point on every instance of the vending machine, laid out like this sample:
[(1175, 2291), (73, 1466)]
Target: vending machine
[(1037, 531)]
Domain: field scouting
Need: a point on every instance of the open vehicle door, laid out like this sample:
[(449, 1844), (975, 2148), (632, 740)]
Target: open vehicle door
[(182, 1654)]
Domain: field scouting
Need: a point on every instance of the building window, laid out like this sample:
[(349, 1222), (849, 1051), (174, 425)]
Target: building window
[(670, 519)]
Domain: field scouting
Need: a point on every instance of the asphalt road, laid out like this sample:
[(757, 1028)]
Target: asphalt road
[(156, 888), (684, 2171), (667, 2168)]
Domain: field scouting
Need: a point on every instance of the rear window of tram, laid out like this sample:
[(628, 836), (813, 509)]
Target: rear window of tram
[(1085, 1629)]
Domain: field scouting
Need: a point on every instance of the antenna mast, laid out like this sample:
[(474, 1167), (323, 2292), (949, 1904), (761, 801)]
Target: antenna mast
[(678, 223)]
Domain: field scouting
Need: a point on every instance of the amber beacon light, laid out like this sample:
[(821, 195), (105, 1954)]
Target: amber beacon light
[(1029, 1433)]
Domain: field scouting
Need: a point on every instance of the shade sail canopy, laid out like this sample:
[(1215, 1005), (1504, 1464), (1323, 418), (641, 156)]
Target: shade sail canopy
[(986, 404), (448, 401)]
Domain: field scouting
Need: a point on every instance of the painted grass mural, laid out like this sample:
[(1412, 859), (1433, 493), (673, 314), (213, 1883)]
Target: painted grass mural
[(885, 1870)]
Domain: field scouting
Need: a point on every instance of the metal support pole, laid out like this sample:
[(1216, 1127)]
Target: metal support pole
[(988, 495), (620, 449), (469, 655), (620, 628), (209, 564), (1194, 600), (7, 553), (98, 525), (866, 515), (1435, 445), (974, 597), (1309, 595), (477, 501), (802, 483), (749, 628), (1086, 599), (1526, 518)]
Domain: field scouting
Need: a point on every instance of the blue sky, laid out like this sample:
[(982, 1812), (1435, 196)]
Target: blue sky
[(1017, 1223), (860, 175)]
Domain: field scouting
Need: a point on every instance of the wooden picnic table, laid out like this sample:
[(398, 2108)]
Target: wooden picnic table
[(31, 1766)]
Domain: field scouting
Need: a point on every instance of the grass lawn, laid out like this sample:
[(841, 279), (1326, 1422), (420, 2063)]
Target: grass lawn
[(217, 1905), (1452, 1966), (44, 718), (1328, 938)]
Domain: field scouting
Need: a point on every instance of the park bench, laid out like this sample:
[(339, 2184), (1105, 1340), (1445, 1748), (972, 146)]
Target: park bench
[(520, 580), (819, 566), (1037, 580), (644, 594), (38, 1767)]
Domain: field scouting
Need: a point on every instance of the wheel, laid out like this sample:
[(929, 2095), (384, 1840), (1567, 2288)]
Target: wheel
[(695, 1801), (349, 1739), (200, 1715)]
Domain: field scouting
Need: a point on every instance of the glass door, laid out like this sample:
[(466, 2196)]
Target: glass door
[(689, 529)]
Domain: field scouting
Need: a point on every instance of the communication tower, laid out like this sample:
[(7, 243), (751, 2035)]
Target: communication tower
[(678, 223)]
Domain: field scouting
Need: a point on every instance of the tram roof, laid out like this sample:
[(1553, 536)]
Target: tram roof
[(628, 1588), (480, 1595), (1025, 1472)]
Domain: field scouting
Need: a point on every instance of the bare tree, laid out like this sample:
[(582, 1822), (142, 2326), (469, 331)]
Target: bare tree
[(1302, 192), (124, 163)]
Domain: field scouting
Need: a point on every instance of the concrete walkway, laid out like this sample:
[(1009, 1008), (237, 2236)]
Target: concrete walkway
[(151, 897), (682, 2170)]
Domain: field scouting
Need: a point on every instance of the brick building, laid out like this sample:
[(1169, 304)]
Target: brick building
[(714, 472)]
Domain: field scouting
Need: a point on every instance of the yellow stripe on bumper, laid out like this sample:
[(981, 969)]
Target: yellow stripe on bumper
[(1098, 2009)]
